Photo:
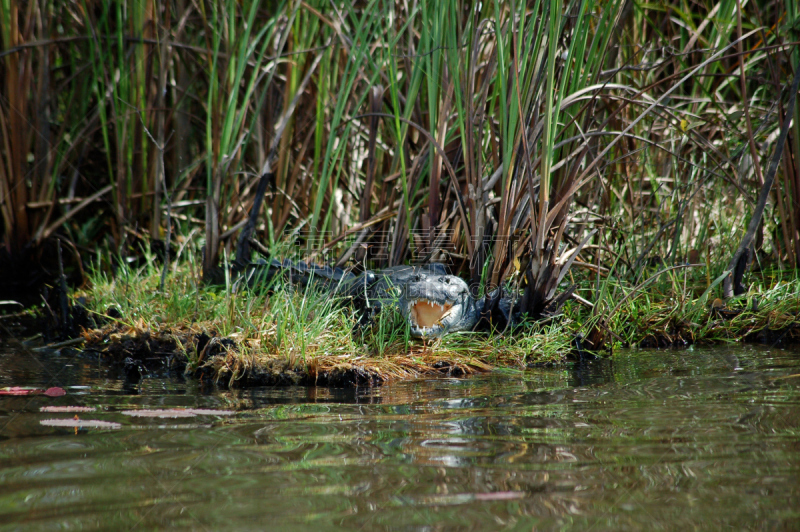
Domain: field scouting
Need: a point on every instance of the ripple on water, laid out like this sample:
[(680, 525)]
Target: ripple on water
[(705, 439)]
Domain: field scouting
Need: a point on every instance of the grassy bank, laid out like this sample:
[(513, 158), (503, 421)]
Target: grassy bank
[(679, 309), (284, 334)]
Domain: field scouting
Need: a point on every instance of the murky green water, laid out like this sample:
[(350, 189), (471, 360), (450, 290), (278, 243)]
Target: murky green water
[(673, 440)]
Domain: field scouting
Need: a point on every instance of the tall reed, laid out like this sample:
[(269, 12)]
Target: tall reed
[(510, 139)]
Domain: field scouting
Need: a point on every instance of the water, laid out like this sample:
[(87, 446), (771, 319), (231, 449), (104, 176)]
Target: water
[(651, 440)]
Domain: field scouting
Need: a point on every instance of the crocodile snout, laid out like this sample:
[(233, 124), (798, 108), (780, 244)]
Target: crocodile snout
[(437, 305)]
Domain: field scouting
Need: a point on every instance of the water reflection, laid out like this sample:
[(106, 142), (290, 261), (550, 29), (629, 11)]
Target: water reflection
[(706, 438)]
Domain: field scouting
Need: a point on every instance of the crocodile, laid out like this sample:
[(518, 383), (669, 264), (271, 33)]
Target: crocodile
[(432, 301)]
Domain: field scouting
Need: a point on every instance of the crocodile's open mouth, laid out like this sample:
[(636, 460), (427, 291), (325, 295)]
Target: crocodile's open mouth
[(426, 314)]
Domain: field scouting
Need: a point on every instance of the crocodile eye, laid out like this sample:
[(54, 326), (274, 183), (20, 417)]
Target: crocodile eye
[(445, 280)]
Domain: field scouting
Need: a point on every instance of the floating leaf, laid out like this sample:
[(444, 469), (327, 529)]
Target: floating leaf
[(67, 409), (159, 413), (16, 390), (211, 412), (500, 496), (177, 412), (80, 423)]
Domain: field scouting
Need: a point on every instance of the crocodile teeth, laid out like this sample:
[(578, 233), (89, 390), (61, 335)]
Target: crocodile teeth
[(425, 313)]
